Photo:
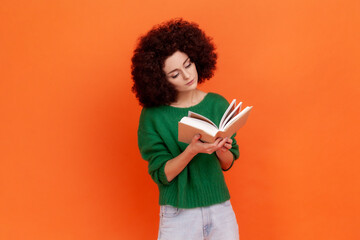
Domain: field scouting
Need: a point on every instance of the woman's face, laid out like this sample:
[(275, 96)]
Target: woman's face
[(181, 72)]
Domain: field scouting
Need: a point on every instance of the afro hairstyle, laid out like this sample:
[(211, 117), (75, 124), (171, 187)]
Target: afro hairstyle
[(150, 84)]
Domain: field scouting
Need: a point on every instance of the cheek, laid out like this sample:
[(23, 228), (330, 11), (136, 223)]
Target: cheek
[(194, 69), (174, 82)]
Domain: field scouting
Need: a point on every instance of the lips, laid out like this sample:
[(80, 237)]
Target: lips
[(190, 83)]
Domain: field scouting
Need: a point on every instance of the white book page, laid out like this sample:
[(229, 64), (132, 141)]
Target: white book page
[(231, 115), (231, 106), (201, 117), (197, 123), (242, 113)]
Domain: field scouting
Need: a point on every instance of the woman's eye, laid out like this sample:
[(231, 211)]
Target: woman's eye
[(187, 66), (175, 76)]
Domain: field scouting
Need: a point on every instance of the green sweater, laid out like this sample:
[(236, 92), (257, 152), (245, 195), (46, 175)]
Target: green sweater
[(202, 182)]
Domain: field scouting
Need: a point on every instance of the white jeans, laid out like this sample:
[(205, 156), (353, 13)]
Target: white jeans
[(216, 222)]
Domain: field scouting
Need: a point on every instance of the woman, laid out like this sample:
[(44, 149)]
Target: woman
[(168, 64)]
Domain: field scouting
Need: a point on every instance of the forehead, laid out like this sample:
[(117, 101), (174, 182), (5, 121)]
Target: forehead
[(175, 61)]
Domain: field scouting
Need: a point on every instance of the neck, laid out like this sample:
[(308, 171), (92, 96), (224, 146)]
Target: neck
[(186, 99)]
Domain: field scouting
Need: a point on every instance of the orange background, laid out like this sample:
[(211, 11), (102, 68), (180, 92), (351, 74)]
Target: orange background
[(69, 163)]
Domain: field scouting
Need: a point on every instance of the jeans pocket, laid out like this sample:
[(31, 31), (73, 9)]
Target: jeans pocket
[(169, 211)]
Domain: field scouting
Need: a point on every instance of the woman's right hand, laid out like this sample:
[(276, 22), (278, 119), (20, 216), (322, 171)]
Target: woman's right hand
[(174, 166), (196, 146)]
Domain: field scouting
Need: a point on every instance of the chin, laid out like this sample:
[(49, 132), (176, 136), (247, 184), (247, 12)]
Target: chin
[(193, 86)]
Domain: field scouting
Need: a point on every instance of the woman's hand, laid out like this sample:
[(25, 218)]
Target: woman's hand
[(227, 145), (221, 146), (196, 146), (174, 166)]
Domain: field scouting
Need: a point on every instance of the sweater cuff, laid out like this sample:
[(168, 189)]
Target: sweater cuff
[(232, 163), (162, 176), (235, 154)]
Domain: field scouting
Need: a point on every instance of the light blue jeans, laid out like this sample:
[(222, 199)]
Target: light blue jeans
[(216, 222)]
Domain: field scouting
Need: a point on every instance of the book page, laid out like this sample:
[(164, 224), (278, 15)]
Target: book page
[(232, 120), (199, 124), (234, 113), (238, 121), (201, 117), (227, 112), (235, 124), (189, 127), (187, 133)]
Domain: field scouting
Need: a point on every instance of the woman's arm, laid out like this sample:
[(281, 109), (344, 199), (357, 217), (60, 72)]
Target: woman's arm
[(174, 166), (225, 157)]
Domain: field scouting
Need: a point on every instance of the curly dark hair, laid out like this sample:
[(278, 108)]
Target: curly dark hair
[(150, 83)]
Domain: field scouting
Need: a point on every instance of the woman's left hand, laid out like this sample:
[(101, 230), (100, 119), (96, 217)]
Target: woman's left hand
[(227, 145)]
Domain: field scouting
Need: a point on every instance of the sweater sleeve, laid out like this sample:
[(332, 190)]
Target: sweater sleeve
[(154, 151), (235, 152), (235, 148)]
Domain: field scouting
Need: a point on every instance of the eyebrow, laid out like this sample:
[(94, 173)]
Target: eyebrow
[(176, 68)]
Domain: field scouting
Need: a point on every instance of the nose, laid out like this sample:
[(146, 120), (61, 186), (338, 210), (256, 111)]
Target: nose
[(186, 74)]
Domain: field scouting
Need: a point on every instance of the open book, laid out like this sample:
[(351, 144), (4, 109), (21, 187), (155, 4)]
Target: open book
[(232, 120)]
